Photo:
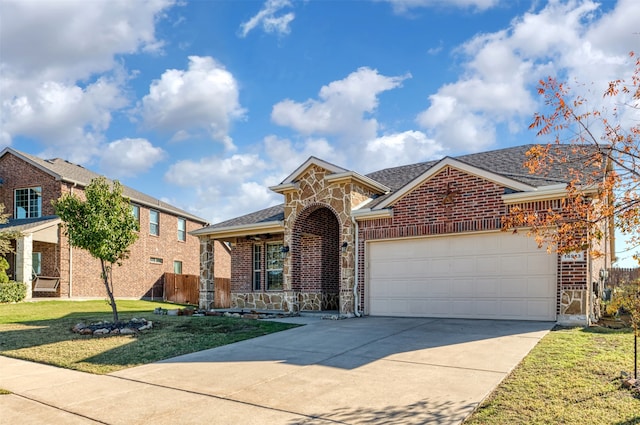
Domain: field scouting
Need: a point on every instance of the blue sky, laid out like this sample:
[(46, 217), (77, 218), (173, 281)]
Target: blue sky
[(205, 104)]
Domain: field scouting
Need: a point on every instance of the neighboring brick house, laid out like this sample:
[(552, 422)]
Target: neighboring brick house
[(416, 240), (28, 184)]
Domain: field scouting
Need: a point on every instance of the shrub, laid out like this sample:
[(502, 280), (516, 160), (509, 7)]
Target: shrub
[(12, 292), (4, 265)]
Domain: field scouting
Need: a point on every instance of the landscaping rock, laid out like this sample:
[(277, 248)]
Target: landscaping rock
[(110, 328)]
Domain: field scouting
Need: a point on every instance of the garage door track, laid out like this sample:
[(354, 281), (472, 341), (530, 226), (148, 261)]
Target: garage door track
[(371, 370)]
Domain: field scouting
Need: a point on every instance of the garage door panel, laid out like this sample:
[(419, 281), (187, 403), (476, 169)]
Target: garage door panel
[(439, 266), (462, 287), (487, 265), (490, 276)]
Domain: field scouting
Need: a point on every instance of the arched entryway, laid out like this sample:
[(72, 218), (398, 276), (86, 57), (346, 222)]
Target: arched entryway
[(316, 259)]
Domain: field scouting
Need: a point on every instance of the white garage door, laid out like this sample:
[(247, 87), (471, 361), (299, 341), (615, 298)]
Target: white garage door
[(484, 276)]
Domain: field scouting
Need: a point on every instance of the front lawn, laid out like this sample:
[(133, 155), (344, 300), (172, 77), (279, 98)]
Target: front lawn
[(570, 377), (41, 332)]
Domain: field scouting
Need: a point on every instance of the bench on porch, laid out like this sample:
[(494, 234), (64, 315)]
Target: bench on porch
[(45, 284)]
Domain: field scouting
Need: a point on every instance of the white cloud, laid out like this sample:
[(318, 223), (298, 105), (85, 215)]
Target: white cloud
[(564, 39), (400, 148), (67, 118), (129, 157), (70, 40), (60, 81), (270, 22), (402, 6), (342, 106), (224, 187), (288, 156), (224, 172), (202, 98)]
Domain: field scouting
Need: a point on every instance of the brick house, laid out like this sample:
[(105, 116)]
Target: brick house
[(417, 240), (28, 184)]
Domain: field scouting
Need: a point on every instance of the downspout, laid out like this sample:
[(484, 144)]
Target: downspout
[(356, 296)]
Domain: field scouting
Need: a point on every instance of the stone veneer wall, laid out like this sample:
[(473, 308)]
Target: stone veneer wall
[(207, 273), (339, 197)]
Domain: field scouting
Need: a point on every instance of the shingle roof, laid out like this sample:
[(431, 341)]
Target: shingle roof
[(508, 163), (23, 224), (275, 213), (74, 173)]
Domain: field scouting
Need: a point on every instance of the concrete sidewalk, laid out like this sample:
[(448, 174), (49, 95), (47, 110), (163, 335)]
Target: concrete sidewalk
[(366, 370)]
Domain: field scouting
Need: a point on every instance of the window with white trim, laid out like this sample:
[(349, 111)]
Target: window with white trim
[(28, 202), (135, 209), (156, 260), (182, 229), (154, 222), (177, 267)]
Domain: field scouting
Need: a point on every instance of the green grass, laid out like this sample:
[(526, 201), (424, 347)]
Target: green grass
[(3, 392), (570, 377), (41, 332)]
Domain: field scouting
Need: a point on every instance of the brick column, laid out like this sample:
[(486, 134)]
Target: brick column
[(206, 273)]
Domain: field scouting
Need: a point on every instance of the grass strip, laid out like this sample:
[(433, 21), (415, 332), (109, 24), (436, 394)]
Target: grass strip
[(41, 332), (571, 377)]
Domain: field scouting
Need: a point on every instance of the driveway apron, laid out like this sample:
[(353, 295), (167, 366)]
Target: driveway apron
[(373, 370)]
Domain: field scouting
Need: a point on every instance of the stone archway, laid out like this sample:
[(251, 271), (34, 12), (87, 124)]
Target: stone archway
[(316, 259)]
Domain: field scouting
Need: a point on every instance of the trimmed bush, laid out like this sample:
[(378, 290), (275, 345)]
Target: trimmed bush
[(12, 292), (4, 265)]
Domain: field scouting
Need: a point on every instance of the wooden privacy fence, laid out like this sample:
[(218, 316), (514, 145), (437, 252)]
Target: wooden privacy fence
[(181, 288), (619, 276), (222, 294)]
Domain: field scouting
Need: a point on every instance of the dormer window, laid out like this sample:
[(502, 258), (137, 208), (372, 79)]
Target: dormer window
[(28, 202)]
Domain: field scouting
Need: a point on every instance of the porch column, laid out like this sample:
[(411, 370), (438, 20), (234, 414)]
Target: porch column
[(24, 259), (207, 276)]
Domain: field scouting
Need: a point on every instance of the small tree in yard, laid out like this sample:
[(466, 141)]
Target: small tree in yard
[(104, 225), (627, 298), (599, 149), (6, 235)]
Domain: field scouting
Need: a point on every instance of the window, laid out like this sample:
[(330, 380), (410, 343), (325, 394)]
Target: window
[(154, 222), (274, 266), (155, 260), (182, 229), (257, 267), (135, 209), (36, 263), (28, 202), (177, 267)]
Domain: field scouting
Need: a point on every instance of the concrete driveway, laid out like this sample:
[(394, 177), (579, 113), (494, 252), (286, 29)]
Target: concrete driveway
[(369, 370)]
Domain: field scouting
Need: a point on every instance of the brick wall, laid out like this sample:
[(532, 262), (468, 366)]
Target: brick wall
[(316, 251), (16, 174), (242, 264), (454, 202), (138, 276)]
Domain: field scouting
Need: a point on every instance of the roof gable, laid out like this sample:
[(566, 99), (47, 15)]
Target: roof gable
[(459, 165), (69, 172), (293, 177)]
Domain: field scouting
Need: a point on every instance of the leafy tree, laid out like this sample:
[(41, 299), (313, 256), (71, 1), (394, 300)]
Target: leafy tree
[(104, 225), (627, 298), (4, 265), (599, 151), (6, 235)]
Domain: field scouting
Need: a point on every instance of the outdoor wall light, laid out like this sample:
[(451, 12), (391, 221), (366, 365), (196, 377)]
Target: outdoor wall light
[(284, 251), (344, 246)]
